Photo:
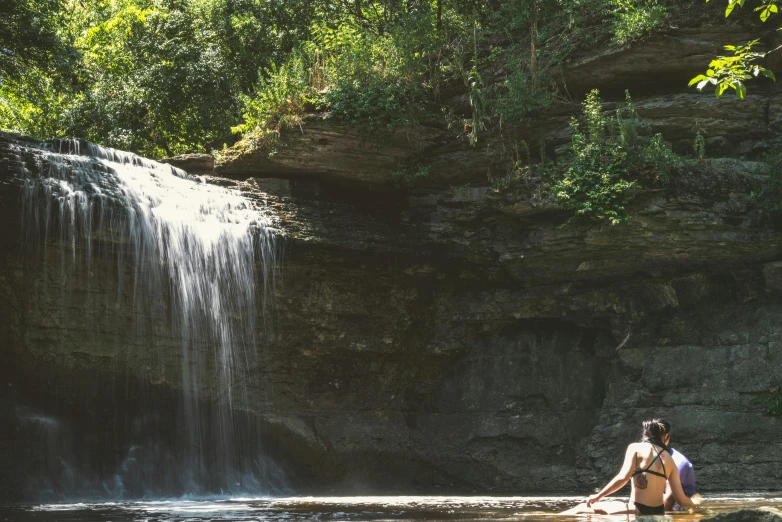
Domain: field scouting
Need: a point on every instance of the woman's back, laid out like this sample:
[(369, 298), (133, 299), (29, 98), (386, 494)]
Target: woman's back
[(652, 468), (649, 466)]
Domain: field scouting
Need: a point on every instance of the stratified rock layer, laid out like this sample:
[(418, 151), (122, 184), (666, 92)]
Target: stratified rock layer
[(193, 163), (456, 338)]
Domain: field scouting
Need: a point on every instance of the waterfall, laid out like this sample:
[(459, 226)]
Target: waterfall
[(195, 263)]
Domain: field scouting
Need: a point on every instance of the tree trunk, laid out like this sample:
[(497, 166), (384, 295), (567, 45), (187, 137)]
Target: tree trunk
[(533, 34)]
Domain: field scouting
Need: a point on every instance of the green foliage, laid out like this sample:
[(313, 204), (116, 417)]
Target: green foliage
[(279, 100), (477, 104), (594, 184), (521, 92), (699, 146), (32, 39), (771, 401), (650, 158), (774, 403), (543, 35), (459, 191), (161, 85), (375, 104), (656, 162), (628, 123), (732, 72), (158, 78), (552, 31), (634, 18), (768, 196), (376, 80), (609, 159), (404, 176), (166, 77), (32, 105), (766, 9)]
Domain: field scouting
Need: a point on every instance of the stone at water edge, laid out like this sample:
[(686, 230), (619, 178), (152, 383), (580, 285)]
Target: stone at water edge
[(193, 163), (764, 514)]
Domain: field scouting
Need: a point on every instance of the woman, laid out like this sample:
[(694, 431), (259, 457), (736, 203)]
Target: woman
[(649, 464)]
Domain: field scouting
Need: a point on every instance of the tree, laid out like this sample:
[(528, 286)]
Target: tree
[(30, 38)]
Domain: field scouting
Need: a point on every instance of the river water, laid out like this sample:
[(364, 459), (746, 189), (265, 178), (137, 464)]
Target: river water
[(381, 508)]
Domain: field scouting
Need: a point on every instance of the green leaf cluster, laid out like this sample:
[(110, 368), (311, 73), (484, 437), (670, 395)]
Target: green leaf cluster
[(768, 194), (594, 184), (163, 77), (377, 79), (774, 403), (31, 39), (406, 175), (635, 18), (278, 101), (610, 158), (732, 72), (153, 76), (771, 401)]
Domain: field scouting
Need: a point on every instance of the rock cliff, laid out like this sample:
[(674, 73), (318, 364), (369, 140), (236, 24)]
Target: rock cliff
[(452, 337)]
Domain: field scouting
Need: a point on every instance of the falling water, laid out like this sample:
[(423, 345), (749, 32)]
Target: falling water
[(206, 251)]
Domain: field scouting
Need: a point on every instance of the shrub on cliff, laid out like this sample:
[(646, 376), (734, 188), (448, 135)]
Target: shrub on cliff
[(278, 102), (634, 18), (608, 160)]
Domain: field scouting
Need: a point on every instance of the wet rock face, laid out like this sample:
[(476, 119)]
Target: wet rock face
[(448, 341), (451, 338), (515, 356)]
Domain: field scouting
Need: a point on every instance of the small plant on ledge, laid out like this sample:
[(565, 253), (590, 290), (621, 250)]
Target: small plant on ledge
[(772, 401), (609, 159)]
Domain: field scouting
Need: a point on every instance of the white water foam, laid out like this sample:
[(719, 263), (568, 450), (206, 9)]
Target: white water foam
[(207, 251)]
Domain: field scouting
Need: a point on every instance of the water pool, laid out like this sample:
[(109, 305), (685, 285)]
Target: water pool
[(376, 508)]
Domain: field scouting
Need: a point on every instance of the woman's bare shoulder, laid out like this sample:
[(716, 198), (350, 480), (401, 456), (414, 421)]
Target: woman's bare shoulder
[(635, 447)]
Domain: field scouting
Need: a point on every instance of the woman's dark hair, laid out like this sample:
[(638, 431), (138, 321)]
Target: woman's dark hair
[(656, 429)]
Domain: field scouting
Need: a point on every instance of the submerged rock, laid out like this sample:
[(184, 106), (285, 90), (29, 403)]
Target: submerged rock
[(764, 514)]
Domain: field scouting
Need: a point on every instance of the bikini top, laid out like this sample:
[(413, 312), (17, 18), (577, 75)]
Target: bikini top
[(657, 456)]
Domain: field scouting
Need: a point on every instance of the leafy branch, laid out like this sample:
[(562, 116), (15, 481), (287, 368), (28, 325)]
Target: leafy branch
[(731, 72)]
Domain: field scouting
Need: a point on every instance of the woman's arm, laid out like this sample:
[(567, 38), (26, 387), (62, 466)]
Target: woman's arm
[(668, 500), (621, 478), (676, 488)]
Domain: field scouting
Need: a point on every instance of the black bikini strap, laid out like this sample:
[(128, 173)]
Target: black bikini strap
[(647, 470), (656, 457)]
